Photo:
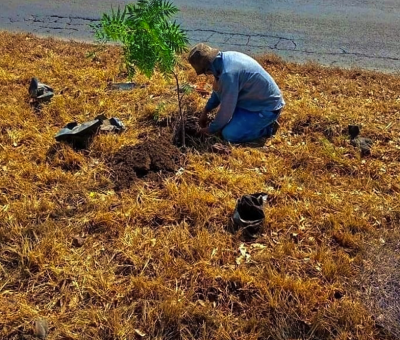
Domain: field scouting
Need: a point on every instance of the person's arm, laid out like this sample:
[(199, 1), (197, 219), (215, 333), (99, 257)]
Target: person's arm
[(213, 102), (229, 93)]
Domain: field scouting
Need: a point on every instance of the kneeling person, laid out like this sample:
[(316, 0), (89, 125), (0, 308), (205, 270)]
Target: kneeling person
[(249, 100)]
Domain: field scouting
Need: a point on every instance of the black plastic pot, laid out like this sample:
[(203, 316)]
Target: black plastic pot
[(249, 214)]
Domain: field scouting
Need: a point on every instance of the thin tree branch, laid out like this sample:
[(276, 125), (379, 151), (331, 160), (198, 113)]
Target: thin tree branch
[(182, 125)]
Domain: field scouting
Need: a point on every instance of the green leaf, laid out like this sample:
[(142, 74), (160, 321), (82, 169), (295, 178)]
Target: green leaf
[(149, 39)]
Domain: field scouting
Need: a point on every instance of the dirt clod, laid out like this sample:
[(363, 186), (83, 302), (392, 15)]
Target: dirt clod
[(78, 241), (144, 161)]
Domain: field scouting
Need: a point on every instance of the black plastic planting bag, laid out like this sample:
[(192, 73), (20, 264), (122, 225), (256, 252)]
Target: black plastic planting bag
[(249, 214), (39, 91), (78, 135), (364, 144)]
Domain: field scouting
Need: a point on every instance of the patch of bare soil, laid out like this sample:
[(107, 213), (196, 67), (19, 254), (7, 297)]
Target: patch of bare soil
[(145, 160)]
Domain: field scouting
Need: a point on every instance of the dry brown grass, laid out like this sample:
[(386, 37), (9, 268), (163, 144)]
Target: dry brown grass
[(157, 259), (379, 282)]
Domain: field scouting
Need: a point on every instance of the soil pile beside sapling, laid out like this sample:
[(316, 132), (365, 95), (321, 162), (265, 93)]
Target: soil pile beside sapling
[(143, 161)]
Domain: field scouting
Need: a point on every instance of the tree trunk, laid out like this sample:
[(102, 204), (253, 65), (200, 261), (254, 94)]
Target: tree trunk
[(182, 120)]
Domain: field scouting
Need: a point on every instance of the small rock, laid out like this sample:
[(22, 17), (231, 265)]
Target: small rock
[(41, 328), (140, 333), (78, 241)]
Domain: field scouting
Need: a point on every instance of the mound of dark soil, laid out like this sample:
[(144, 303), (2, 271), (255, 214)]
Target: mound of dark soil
[(144, 161)]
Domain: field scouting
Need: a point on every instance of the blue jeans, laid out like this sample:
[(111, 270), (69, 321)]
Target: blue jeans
[(246, 126)]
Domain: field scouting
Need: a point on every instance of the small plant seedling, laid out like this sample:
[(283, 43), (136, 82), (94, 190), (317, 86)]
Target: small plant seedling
[(149, 40), (160, 109)]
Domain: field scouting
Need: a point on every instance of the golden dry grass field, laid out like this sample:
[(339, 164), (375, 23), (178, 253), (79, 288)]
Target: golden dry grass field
[(157, 261)]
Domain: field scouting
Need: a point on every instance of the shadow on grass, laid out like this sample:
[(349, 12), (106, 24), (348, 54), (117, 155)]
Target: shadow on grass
[(65, 156)]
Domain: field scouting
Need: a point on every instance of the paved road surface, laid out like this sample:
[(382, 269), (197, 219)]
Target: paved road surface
[(363, 33)]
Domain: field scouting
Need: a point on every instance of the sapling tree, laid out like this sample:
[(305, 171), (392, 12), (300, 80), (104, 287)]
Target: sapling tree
[(150, 40)]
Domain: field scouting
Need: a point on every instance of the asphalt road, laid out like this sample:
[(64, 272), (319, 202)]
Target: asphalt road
[(352, 33)]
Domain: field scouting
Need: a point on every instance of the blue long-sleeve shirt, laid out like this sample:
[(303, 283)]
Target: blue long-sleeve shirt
[(243, 83)]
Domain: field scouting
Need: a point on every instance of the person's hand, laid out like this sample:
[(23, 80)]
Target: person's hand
[(203, 119)]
